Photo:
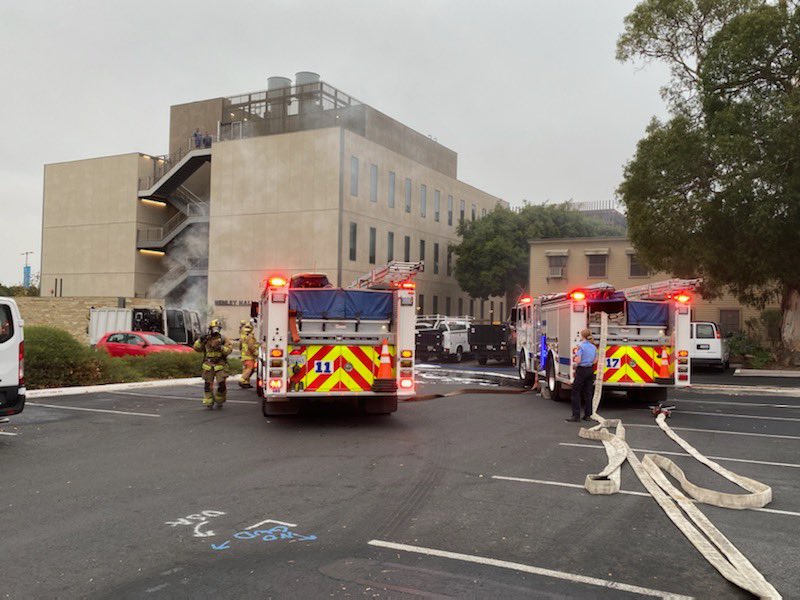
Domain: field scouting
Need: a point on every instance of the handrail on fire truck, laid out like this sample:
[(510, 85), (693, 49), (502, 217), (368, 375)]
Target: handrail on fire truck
[(392, 273)]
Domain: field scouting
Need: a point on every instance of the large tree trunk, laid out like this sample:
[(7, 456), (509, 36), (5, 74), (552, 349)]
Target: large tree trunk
[(790, 326)]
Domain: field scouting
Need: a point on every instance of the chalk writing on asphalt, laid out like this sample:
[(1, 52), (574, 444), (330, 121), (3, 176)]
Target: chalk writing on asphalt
[(280, 532), (197, 521)]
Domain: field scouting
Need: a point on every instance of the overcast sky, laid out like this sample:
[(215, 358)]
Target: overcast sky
[(527, 92)]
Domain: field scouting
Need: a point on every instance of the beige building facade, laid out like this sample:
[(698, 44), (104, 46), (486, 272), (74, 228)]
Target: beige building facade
[(558, 265), (297, 178)]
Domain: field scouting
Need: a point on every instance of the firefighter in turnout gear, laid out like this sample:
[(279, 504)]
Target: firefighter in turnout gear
[(215, 348), (249, 349)]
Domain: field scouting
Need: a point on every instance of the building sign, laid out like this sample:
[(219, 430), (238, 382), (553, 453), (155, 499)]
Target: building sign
[(232, 302)]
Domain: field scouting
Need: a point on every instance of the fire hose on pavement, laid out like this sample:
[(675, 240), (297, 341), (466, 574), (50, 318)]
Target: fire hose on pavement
[(680, 508)]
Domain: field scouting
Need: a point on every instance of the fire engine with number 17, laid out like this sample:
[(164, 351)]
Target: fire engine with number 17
[(647, 348), (328, 344)]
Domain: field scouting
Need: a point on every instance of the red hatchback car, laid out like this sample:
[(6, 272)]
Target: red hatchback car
[(138, 343)]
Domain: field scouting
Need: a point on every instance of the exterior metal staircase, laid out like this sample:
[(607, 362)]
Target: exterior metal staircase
[(170, 173), (178, 274)]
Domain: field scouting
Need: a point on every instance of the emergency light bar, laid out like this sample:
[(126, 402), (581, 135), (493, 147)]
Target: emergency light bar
[(683, 298), (525, 300), (408, 285), (277, 282), (578, 295)]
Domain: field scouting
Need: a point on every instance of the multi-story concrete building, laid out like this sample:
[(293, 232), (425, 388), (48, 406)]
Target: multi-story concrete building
[(558, 265), (299, 177)]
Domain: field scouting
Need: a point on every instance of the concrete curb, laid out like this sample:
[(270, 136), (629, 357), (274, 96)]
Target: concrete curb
[(115, 387), (764, 373)]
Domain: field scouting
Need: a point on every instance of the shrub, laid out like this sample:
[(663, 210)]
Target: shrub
[(54, 358), (165, 365)]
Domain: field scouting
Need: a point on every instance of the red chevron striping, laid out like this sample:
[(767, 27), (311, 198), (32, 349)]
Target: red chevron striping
[(362, 356)]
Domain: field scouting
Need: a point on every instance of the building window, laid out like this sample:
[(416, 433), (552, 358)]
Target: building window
[(597, 265), (474, 211), (637, 269), (407, 249), (408, 195), (422, 249), (421, 304), (460, 307), (483, 212), (353, 176), (449, 209), (483, 304), (502, 313), (462, 209), (491, 311), (729, 321), (436, 258), (390, 246), (391, 189), (437, 201), (372, 235), (373, 183), (423, 200), (436, 305), (472, 307), (447, 306), (449, 261), (556, 267), (353, 240)]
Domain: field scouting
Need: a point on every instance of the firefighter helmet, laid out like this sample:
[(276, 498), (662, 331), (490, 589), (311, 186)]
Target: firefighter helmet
[(215, 326)]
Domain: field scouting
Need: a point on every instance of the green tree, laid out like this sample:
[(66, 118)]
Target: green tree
[(493, 255), (715, 190)]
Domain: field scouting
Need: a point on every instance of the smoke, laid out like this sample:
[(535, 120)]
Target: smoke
[(188, 252)]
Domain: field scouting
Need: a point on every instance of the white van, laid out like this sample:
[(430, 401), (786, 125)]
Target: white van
[(707, 347), (12, 362)]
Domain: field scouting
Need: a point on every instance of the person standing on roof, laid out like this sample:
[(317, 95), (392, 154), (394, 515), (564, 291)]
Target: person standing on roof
[(215, 348), (583, 384), (249, 348)]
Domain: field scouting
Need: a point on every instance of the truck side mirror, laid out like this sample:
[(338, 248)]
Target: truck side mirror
[(254, 310)]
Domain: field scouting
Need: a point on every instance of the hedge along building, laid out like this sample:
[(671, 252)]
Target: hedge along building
[(299, 177), (558, 265)]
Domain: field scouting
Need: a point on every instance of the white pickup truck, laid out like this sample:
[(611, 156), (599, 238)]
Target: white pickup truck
[(442, 337)]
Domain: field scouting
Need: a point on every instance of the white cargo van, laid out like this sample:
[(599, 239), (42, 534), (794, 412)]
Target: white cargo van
[(12, 361), (708, 348)]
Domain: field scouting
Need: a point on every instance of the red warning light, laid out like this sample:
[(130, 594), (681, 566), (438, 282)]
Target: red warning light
[(408, 285), (683, 298), (277, 281), (525, 300), (578, 295)]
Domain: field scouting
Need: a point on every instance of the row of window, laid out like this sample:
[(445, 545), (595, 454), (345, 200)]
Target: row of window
[(486, 309), (598, 266), (408, 189), (390, 255)]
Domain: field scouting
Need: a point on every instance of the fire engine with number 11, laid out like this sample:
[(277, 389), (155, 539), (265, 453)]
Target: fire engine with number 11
[(647, 350)]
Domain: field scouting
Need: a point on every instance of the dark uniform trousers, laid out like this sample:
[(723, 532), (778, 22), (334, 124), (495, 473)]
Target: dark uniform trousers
[(582, 390)]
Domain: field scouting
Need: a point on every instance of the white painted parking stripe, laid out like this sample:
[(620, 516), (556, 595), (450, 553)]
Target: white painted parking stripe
[(765, 435), (740, 460), (735, 416), (735, 404), (97, 410), (628, 492), (503, 564), (7, 433), (193, 399), (740, 390)]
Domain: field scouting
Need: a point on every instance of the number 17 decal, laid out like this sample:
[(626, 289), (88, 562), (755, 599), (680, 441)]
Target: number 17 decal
[(612, 363)]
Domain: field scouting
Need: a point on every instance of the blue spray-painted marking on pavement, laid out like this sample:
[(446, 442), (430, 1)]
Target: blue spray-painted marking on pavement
[(281, 532)]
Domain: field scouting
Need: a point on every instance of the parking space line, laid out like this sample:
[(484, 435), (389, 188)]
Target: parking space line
[(628, 492), (7, 433), (97, 410), (503, 564), (740, 460), (714, 414), (765, 435), (735, 404), (194, 399)]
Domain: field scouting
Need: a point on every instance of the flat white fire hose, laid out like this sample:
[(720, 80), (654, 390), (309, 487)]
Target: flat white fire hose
[(697, 528)]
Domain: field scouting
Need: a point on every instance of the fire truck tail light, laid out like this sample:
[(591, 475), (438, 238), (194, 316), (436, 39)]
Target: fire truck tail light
[(275, 373), (683, 353), (406, 354), (276, 352), (277, 281), (276, 363), (683, 377), (407, 384), (406, 364), (275, 384)]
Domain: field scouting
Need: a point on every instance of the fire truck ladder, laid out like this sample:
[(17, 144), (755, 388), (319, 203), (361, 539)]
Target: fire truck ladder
[(389, 275), (660, 289)]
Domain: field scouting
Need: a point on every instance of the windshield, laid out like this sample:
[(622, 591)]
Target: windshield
[(156, 339)]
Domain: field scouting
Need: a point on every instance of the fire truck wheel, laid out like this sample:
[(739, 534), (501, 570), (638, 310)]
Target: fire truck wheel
[(551, 382), (524, 376)]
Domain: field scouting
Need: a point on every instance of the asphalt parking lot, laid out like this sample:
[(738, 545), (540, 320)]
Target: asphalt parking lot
[(143, 494)]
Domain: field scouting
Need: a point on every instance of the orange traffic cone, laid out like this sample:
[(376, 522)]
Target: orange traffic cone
[(663, 370), (384, 381)]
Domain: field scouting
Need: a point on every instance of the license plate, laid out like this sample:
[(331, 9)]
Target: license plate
[(296, 359), (703, 346)]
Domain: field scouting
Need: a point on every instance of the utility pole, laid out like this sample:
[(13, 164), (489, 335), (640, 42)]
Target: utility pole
[(26, 271)]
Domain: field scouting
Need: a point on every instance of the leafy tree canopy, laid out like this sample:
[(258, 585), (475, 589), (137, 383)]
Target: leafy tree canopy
[(493, 255), (715, 190)]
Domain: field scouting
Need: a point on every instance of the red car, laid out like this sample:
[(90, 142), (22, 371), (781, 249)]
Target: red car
[(138, 343)]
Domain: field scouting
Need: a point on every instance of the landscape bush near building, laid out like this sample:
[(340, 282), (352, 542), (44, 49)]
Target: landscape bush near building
[(53, 358)]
